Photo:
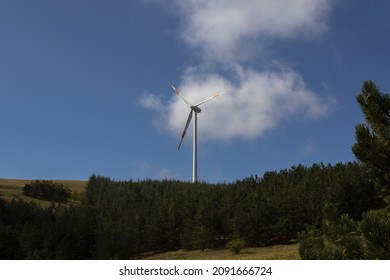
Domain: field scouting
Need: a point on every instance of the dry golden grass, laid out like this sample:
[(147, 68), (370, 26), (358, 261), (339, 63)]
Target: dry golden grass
[(277, 252), (12, 188)]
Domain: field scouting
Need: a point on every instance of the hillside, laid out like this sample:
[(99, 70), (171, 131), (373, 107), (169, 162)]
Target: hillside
[(132, 219), (12, 188), (277, 252)]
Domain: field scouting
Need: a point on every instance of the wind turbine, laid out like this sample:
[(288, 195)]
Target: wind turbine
[(193, 109)]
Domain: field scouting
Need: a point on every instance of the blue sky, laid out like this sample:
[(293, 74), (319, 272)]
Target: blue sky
[(84, 85)]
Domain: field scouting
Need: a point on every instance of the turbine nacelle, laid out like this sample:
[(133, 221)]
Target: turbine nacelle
[(196, 109)]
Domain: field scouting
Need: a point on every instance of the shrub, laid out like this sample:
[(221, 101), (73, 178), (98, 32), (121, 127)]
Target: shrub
[(47, 190), (236, 245)]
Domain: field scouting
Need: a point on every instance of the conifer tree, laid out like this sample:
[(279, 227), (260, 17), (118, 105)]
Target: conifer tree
[(341, 237), (372, 146)]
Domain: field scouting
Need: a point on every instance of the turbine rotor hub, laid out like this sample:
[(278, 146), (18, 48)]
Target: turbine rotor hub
[(196, 109)]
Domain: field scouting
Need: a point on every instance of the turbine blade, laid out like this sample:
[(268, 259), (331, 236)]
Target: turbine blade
[(185, 129), (177, 91), (212, 97)]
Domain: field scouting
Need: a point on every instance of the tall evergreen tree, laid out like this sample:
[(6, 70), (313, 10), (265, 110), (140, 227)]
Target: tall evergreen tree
[(341, 237), (372, 145)]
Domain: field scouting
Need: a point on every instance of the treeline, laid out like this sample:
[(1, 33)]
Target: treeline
[(159, 216), (47, 190), (125, 219)]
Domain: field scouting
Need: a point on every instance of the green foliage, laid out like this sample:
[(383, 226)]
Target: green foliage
[(78, 197), (372, 145), (236, 245), (312, 245), (360, 235), (47, 190), (372, 148), (375, 228), (30, 232), (343, 238), (339, 239)]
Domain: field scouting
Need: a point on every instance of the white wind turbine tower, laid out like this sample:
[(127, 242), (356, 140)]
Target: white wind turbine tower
[(193, 109)]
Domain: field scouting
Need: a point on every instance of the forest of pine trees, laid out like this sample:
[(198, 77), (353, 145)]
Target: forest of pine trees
[(335, 211), (124, 219)]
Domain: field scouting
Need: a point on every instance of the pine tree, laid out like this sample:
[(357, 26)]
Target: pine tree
[(341, 237), (373, 137)]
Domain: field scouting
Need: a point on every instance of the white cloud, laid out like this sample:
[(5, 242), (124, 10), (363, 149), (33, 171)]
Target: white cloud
[(232, 31), (258, 102), (150, 101), (228, 29)]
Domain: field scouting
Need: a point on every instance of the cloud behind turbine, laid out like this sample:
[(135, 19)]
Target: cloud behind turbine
[(258, 100)]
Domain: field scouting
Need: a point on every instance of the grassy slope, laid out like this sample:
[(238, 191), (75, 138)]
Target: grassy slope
[(12, 188), (277, 252)]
